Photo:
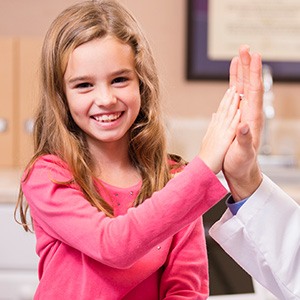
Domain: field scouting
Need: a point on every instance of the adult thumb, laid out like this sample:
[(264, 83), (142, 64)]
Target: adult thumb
[(244, 136)]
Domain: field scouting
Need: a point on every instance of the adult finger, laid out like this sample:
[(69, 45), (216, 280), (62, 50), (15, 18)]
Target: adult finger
[(245, 59), (239, 77), (255, 98)]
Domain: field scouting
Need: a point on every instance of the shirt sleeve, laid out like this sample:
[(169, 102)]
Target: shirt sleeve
[(65, 215), (185, 273), (235, 206)]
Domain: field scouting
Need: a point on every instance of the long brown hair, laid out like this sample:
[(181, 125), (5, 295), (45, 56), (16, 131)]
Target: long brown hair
[(55, 132)]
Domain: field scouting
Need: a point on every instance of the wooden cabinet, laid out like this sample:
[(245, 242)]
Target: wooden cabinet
[(19, 61), (7, 102), (29, 55)]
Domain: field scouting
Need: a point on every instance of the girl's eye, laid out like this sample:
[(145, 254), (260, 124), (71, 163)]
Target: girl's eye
[(119, 80), (83, 85)]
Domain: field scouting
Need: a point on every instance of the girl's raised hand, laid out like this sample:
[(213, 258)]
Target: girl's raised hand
[(221, 131)]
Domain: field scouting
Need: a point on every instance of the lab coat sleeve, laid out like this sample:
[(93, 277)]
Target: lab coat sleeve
[(264, 238)]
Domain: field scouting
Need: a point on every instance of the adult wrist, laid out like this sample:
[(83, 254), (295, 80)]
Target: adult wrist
[(244, 186)]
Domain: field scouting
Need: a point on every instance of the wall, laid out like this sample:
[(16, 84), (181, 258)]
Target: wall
[(164, 23)]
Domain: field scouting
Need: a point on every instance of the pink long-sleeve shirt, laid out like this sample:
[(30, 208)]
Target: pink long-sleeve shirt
[(154, 251)]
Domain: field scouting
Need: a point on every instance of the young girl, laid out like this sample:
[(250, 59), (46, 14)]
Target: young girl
[(111, 219)]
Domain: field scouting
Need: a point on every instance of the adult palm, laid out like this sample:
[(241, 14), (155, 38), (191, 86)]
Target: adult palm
[(240, 166)]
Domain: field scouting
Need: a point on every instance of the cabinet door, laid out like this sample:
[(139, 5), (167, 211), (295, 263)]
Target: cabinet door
[(29, 56), (8, 85)]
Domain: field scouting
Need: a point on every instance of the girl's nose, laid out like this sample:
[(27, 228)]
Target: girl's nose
[(105, 97)]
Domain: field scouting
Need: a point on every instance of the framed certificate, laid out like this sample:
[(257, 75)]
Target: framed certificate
[(216, 29)]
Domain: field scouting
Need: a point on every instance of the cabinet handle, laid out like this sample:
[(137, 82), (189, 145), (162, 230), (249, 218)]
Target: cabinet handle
[(3, 125), (28, 126)]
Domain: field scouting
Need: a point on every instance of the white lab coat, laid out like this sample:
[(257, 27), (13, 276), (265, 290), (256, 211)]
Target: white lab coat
[(264, 238)]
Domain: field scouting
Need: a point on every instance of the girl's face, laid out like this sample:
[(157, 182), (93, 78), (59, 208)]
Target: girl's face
[(102, 90)]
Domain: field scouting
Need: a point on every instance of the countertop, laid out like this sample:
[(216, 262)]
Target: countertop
[(287, 178)]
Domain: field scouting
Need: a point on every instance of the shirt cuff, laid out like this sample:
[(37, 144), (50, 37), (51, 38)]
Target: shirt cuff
[(234, 206)]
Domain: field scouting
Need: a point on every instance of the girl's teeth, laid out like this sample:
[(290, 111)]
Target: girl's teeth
[(107, 118)]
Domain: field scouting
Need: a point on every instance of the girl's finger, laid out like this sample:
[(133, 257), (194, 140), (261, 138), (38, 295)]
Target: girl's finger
[(226, 100), (233, 70)]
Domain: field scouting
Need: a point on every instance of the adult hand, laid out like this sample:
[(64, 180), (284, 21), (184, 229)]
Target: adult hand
[(240, 166)]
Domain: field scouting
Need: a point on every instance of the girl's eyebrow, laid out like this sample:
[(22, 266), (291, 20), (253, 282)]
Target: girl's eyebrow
[(88, 78), (122, 72), (79, 78)]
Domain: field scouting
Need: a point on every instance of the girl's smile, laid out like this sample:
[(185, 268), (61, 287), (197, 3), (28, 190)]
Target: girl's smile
[(108, 120), (102, 89)]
